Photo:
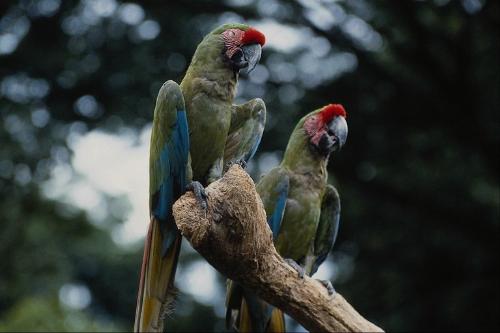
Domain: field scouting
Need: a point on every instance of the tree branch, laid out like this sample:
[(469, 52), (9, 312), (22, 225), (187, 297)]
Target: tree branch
[(234, 237)]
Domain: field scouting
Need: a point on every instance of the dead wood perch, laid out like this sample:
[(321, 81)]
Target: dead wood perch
[(234, 237)]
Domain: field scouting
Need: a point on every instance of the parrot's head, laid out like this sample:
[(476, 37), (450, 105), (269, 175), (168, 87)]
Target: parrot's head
[(238, 45), (327, 128), (242, 47)]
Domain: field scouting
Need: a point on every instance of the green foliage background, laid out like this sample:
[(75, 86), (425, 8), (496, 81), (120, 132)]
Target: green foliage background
[(418, 246)]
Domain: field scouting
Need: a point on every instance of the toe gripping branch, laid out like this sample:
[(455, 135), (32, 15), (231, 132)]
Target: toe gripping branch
[(241, 162), (199, 193), (328, 286), (296, 266), (301, 272)]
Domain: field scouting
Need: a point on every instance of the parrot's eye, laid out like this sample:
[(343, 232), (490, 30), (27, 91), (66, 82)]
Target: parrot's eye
[(238, 59), (237, 56)]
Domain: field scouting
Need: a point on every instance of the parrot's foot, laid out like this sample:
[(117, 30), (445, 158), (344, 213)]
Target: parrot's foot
[(199, 193), (296, 266), (241, 162), (328, 286)]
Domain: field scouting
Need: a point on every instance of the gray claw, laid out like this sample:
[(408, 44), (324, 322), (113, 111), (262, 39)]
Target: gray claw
[(328, 286), (199, 193), (296, 266), (241, 162)]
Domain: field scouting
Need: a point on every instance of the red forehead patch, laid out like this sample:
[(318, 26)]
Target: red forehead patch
[(331, 110), (253, 36)]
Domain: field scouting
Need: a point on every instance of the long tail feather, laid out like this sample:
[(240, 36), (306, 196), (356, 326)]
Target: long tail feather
[(255, 315), (245, 321), (156, 289), (277, 321)]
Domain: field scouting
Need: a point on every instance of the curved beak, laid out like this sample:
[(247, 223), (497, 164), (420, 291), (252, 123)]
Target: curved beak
[(251, 54), (338, 128)]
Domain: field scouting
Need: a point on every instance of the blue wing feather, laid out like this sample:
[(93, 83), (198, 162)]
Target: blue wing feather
[(276, 217), (173, 160)]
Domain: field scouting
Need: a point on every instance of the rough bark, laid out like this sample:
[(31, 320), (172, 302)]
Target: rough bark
[(234, 237)]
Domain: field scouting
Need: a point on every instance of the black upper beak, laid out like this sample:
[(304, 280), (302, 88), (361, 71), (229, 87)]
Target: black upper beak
[(248, 57), (338, 128)]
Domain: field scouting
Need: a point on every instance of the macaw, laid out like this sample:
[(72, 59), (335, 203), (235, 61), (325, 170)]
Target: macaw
[(302, 209), (196, 132)]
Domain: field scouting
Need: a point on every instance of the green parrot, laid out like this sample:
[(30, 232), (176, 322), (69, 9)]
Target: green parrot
[(303, 212), (197, 132)]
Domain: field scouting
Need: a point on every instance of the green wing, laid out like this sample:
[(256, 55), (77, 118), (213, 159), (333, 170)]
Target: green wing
[(247, 125), (328, 226), (168, 168)]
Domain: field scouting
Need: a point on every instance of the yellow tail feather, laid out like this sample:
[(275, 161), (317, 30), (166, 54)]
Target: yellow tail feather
[(276, 323), (245, 322), (156, 290)]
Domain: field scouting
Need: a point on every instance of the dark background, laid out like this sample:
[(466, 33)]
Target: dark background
[(418, 244)]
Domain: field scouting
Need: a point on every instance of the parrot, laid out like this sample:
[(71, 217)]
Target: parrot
[(197, 133), (303, 212)]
